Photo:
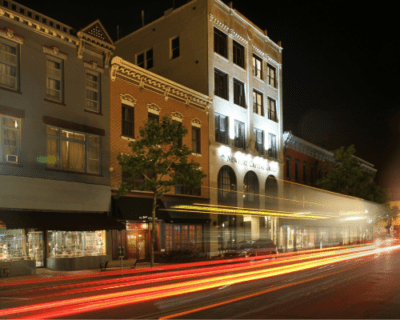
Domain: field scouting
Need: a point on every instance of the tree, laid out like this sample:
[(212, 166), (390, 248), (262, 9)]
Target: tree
[(157, 156), (348, 177)]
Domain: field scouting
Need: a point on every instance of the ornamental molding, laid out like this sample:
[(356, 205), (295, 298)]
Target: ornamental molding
[(177, 116), (153, 108), (55, 51), (127, 99), (145, 79), (8, 33), (233, 34), (219, 23), (260, 52), (196, 122), (93, 65), (273, 62)]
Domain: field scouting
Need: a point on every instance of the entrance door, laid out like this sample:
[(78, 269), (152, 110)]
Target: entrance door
[(36, 247), (136, 244)]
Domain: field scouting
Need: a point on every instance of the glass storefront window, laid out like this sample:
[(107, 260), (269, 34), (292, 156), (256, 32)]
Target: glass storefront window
[(65, 244), (12, 244)]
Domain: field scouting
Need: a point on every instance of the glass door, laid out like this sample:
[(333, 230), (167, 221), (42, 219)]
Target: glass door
[(36, 247)]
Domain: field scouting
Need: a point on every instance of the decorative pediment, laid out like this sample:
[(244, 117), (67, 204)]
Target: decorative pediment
[(128, 99), (9, 34), (196, 122), (153, 108), (55, 51), (93, 65), (96, 29), (177, 116)]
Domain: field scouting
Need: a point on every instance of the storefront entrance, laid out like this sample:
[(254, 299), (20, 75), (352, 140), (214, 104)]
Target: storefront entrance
[(136, 244), (36, 246)]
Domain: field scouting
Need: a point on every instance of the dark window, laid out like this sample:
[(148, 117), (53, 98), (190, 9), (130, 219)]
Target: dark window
[(65, 29), (312, 174), (52, 24), (175, 48), (29, 14), (37, 17), (271, 75), (196, 140), (153, 116), (140, 60), (259, 139), (221, 84), (149, 59), (226, 186), (296, 170), (257, 67), (305, 172), (14, 7), (238, 54), (288, 168), (127, 121), (5, 3), (272, 109), (21, 10), (220, 43), (272, 146), (238, 91), (258, 105), (271, 191), (179, 142), (44, 20), (139, 180), (145, 59), (240, 135), (221, 128), (319, 173), (182, 189), (251, 190), (58, 27)]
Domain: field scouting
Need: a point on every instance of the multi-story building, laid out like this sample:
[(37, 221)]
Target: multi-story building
[(137, 96), (212, 48), (54, 142)]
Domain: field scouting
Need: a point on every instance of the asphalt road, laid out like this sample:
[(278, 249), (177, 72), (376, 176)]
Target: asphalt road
[(341, 284)]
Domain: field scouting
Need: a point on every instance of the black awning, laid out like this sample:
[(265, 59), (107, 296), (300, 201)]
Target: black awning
[(185, 217), (134, 208), (63, 221)]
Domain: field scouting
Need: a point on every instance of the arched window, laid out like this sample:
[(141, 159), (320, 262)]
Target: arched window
[(227, 186), (271, 192), (251, 190)]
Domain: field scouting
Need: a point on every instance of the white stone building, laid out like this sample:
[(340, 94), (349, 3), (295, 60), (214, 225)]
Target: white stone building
[(212, 48)]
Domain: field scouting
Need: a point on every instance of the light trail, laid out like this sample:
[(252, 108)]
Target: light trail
[(93, 303)]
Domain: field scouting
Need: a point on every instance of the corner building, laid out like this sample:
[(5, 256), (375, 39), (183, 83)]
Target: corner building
[(211, 48)]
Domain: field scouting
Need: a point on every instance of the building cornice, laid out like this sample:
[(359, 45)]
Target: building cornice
[(148, 80)]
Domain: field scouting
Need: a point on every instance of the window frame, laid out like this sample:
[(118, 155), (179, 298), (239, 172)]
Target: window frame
[(217, 88), (61, 79), (240, 140), (3, 136), (126, 122), (96, 74), (174, 49), (237, 98), (146, 59), (196, 140), (12, 65), (255, 69), (271, 80), (272, 146), (221, 136), (288, 170), (259, 146), (296, 170), (258, 109), (220, 42), (239, 60), (152, 116), (272, 114)]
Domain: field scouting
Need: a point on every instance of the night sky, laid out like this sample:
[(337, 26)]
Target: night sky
[(340, 66)]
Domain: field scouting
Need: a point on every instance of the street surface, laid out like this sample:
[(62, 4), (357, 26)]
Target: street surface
[(345, 282)]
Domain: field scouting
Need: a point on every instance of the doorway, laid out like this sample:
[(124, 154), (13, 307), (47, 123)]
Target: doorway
[(36, 247), (136, 244)]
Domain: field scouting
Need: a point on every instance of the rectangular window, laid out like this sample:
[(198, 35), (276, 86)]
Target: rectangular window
[(8, 65), (10, 139), (288, 168), (257, 67), (296, 170), (272, 146), (238, 91), (183, 189), (312, 174), (258, 104), (145, 59), (259, 139), (304, 172), (128, 117), (238, 54), (319, 173), (272, 109), (70, 150), (54, 80), (92, 92), (220, 43), (175, 48), (153, 116), (179, 142), (196, 140), (271, 76), (221, 84), (221, 128), (240, 135)]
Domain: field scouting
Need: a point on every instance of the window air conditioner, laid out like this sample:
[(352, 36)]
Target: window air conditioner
[(11, 158)]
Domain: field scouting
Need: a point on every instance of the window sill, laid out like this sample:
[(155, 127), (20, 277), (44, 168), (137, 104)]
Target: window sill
[(171, 59), (275, 88), (221, 56), (226, 99), (94, 112), (276, 121), (56, 102), (11, 164), (196, 154), (77, 172), (10, 90), (128, 139), (259, 79)]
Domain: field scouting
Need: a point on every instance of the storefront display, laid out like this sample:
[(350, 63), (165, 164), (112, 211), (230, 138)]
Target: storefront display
[(12, 245)]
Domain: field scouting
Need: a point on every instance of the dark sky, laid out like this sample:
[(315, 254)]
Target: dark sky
[(340, 65)]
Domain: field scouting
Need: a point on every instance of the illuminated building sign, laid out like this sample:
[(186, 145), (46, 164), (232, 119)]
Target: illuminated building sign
[(250, 164)]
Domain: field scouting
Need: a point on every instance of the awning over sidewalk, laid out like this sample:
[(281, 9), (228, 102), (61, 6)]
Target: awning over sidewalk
[(182, 216), (62, 221), (134, 208)]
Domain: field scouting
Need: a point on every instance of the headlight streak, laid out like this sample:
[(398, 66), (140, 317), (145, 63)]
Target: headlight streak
[(140, 295)]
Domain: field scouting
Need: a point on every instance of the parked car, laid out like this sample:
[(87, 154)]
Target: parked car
[(253, 248)]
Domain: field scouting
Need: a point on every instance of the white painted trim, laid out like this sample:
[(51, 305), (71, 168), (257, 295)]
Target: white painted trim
[(128, 99), (54, 51), (153, 108)]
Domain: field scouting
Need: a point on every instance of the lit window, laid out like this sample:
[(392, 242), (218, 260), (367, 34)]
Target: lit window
[(145, 59), (10, 139), (257, 67), (93, 92), (272, 109), (54, 80), (271, 76), (8, 65), (258, 103), (175, 48)]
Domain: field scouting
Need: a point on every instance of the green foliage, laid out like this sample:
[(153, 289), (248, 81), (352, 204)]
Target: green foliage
[(348, 177)]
